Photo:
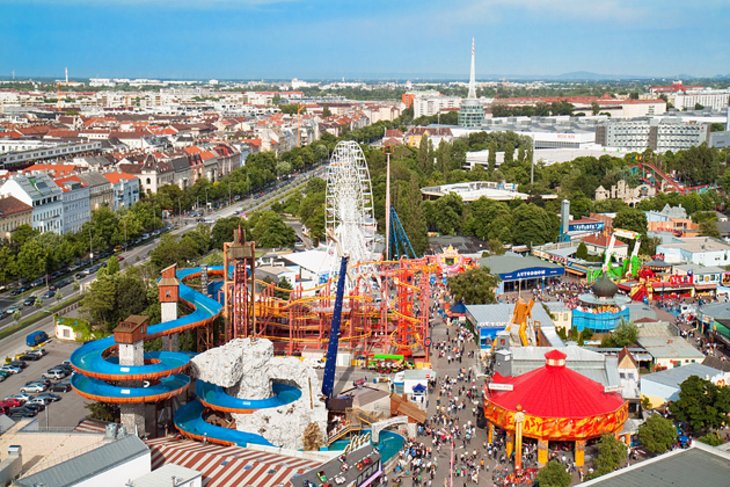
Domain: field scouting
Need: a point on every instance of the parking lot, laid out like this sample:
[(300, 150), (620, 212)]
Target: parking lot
[(70, 409)]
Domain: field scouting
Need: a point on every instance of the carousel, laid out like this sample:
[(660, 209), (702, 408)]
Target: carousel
[(602, 309), (552, 403)]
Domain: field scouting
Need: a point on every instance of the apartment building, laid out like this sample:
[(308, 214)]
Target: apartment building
[(42, 194)]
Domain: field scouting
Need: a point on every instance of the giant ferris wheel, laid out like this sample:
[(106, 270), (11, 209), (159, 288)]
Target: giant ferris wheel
[(349, 219)]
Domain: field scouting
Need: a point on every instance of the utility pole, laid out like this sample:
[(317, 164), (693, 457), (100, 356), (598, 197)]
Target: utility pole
[(91, 248), (387, 205), (532, 163)]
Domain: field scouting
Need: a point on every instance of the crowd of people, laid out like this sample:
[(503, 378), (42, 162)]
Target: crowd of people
[(449, 444)]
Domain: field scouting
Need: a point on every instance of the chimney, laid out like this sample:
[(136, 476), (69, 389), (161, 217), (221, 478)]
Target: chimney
[(14, 450)]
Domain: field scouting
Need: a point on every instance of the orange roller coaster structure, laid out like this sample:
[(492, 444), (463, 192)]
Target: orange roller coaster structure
[(386, 309)]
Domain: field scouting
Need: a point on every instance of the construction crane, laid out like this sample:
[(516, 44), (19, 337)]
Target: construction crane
[(328, 382)]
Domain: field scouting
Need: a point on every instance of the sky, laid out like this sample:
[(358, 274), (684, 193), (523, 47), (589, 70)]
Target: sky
[(366, 39)]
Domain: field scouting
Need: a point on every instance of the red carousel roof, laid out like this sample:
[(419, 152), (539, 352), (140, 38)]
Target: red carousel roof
[(555, 391)]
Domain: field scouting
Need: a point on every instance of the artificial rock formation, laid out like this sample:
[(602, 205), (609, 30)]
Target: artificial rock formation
[(247, 368), (241, 366)]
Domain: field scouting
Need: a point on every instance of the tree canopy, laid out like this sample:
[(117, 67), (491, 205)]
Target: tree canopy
[(475, 286), (657, 434), (553, 474), (701, 405), (611, 455)]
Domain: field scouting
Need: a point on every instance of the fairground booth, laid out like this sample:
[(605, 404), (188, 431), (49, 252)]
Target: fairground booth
[(552, 404), (517, 273), (602, 309)]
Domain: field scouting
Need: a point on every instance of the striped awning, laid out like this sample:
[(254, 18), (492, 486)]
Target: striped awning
[(229, 466)]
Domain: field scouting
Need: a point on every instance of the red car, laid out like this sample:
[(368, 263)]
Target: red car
[(10, 403)]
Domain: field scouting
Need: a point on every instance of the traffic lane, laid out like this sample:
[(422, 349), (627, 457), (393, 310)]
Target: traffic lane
[(25, 311)]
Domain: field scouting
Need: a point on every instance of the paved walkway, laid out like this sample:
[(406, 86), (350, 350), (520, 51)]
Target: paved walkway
[(474, 461)]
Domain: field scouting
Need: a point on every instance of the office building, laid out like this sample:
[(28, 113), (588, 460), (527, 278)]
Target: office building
[(659, 135)]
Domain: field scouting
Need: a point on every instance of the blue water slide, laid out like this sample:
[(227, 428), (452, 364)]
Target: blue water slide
[(162, 377)]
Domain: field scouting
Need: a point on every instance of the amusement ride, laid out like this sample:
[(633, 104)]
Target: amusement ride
[(368, 306)]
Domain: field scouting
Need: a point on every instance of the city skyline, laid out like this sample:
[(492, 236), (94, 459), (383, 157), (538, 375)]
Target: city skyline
[(320, 39)]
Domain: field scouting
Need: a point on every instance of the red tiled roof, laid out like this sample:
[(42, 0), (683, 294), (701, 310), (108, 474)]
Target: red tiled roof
[(115, 177), (10, 205), (60, 182), (59, 170), (601, 241), (62, 133)]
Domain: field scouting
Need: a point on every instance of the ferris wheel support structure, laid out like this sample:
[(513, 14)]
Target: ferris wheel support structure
[(349, 217)]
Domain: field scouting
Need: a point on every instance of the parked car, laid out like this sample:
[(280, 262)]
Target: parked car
[(13, 369), (43, 380), (23, 398), (22, 412), (56, 374), (11, 403), (48, 294), (30, 357), (19, 363), (37, 406), (36, 338), (29, 301), (33, 387), (43, 401), (60, 387), (48, 396), (39, 351), (64, 366), (10, 310)]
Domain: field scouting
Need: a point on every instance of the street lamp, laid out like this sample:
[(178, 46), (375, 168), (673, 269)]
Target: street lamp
[(206, 200), (91, 248)]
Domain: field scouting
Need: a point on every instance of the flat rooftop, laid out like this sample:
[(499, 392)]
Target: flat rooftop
[(676, 347), (700, 465), (43, 450)]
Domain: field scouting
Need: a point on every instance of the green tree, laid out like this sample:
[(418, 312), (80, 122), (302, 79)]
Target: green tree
[(533, 225), (553, 475), (712, 439), (7, 263), (708, 228), (701, 404), (223, 230), (112, 266), (631, 219), (270, 231), (475, 286), (31, 261), (657, 434), (611, 455), (99, 302), (409, 206), (492, 157), (624, 334), (582, 251), (445, 214)]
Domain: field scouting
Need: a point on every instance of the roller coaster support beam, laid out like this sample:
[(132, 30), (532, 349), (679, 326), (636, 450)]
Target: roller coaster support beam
[(328, 382)]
